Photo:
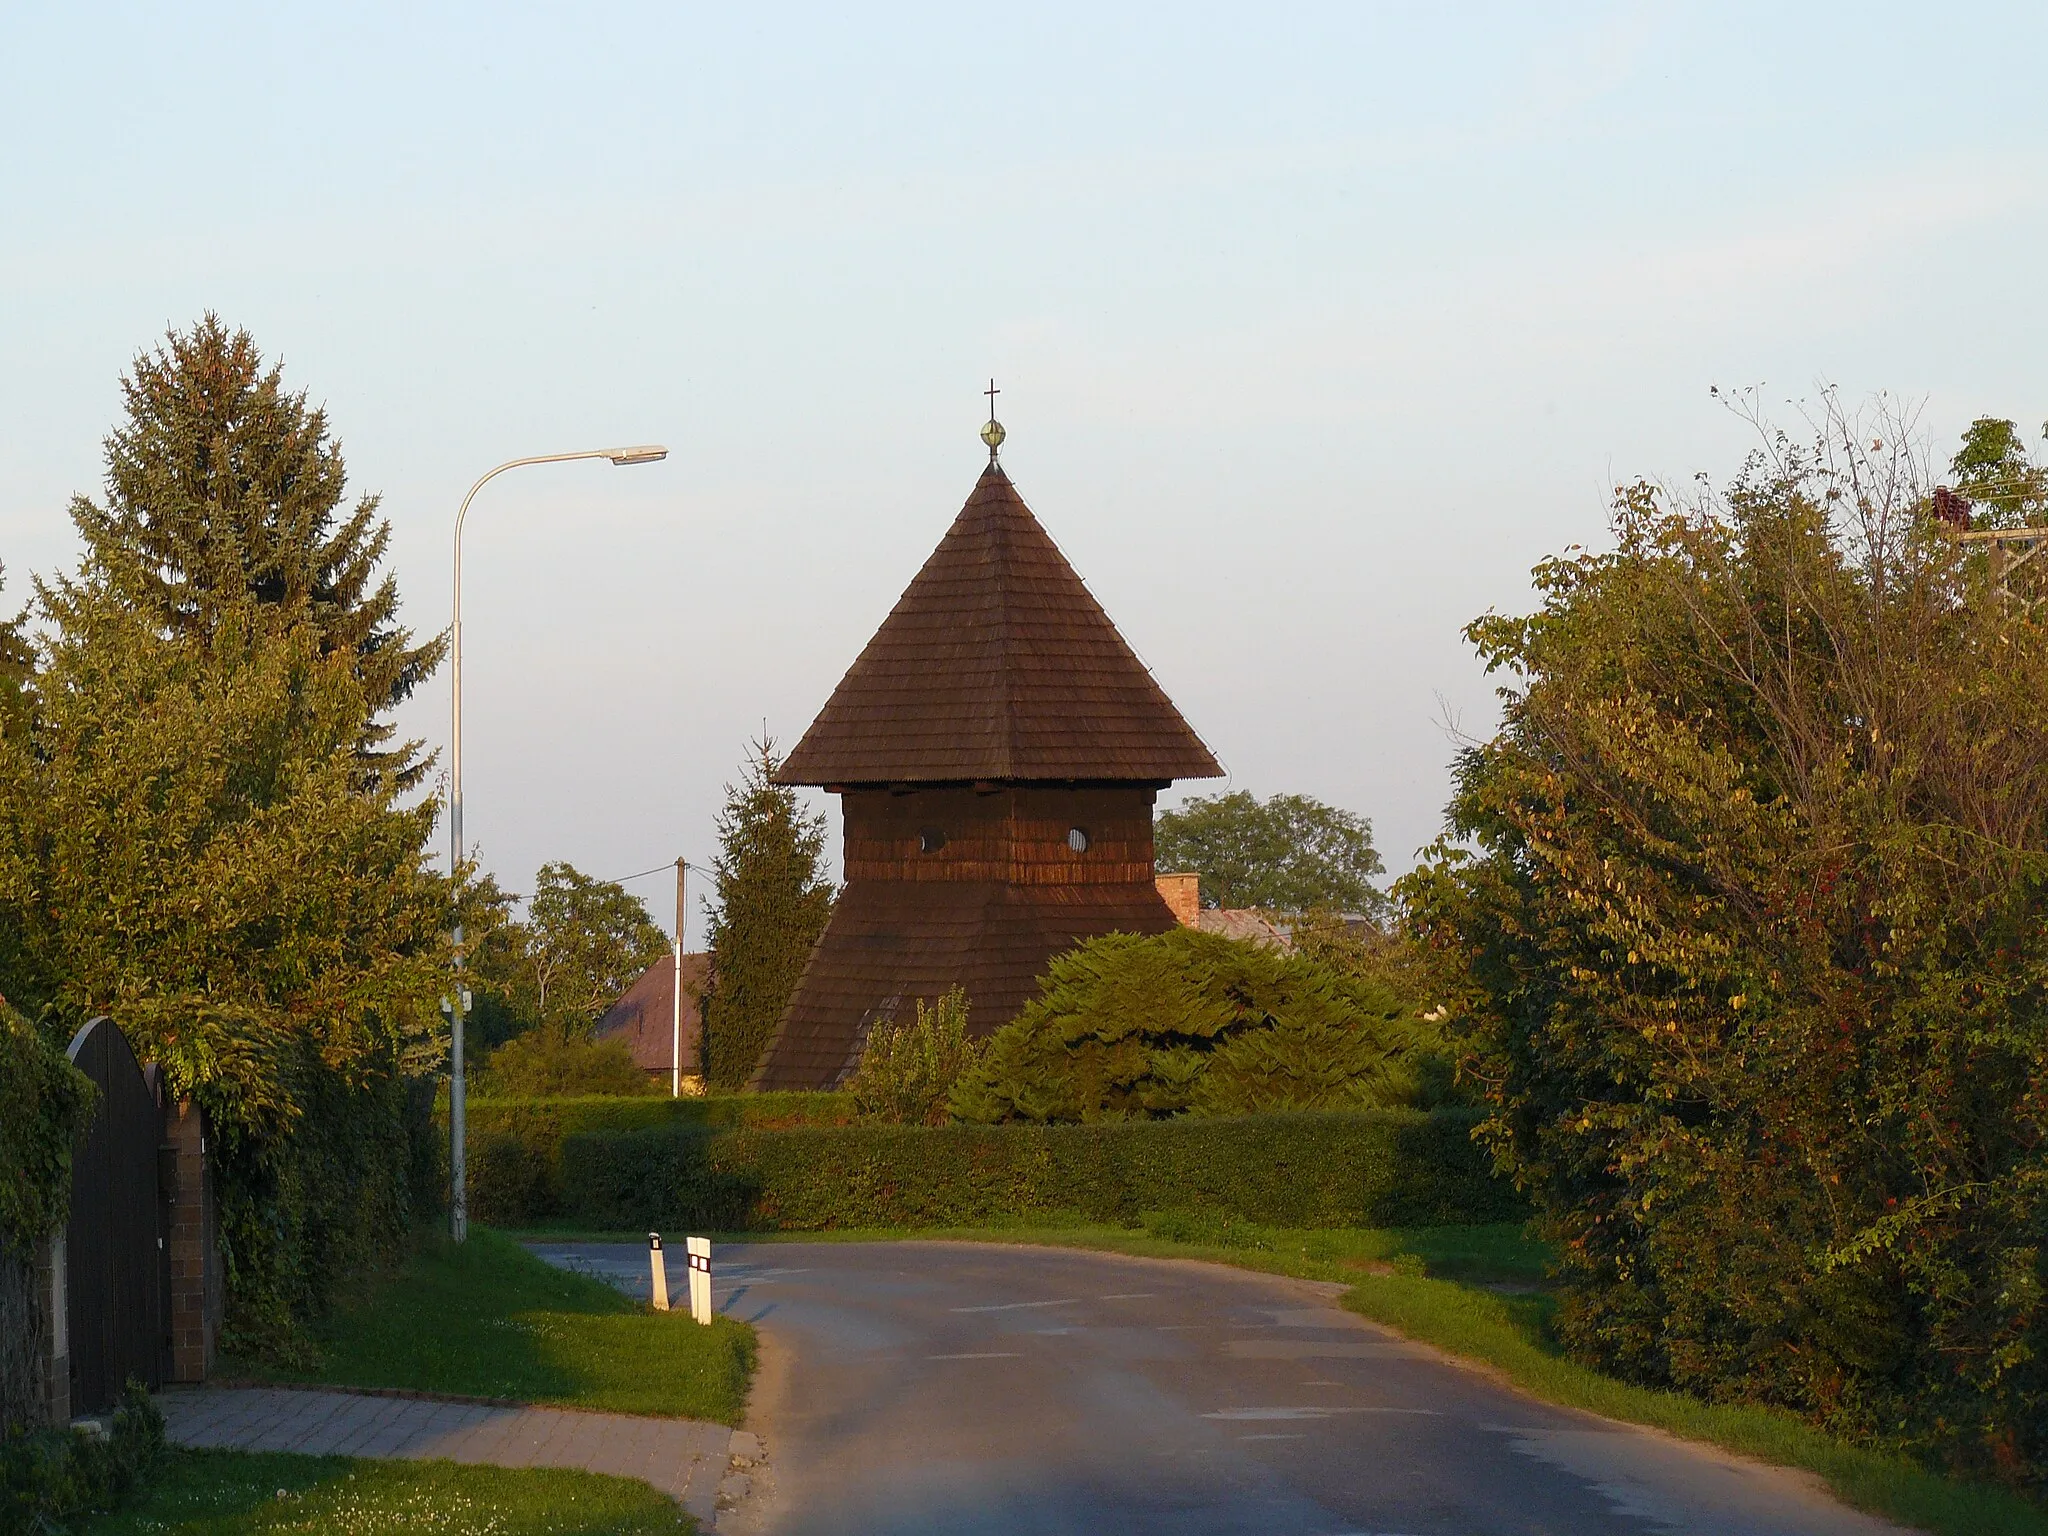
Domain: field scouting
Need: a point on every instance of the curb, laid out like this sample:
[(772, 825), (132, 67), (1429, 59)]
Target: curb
[(256, 1384)]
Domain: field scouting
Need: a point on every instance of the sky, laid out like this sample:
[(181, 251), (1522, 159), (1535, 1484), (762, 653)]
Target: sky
[(1316, 327)]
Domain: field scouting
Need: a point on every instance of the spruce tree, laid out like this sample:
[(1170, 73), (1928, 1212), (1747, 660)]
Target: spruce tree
[(223, 485), (771, 902)]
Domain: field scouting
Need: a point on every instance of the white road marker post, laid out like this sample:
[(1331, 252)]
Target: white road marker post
[(660, 1271), (700, 1278)]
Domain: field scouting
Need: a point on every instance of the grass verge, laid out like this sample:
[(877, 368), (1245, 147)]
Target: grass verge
[(487, 1319), (1471, 1291), (233, 1493)]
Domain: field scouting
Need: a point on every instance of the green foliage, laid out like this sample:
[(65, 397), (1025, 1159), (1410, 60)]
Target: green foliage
[(224, 488), (1747, 943), (771, 902), (486, 1318), (2006, 489), (49, 1475), (1185, 1022), (494, 959), (1291, 853), (1388, 1167), (44, 1103), (515, 1145), (538, 1065), (584, 942), (232, 1493), (187, 844), (190, 843), (200, 829), (907, 1072)]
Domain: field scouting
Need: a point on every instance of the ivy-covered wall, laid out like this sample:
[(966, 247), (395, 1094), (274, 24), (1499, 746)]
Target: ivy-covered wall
[(44, 1103)]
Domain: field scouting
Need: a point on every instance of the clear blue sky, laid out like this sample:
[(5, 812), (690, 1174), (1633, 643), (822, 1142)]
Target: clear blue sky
[(1317, 325)]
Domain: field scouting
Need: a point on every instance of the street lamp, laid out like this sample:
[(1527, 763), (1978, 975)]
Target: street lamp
[(644, 453)]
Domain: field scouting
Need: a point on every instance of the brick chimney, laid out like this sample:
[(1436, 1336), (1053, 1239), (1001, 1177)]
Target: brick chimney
[(1182, 894)]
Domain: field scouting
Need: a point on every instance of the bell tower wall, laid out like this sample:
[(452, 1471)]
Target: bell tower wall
[(1020, 835)]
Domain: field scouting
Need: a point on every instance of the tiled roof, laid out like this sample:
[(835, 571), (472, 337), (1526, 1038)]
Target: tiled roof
[(644, 1016), (1246, 924), (891, 942), (997, 663)]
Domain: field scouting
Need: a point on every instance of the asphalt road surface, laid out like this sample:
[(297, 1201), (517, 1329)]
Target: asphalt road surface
[(958, 1387)]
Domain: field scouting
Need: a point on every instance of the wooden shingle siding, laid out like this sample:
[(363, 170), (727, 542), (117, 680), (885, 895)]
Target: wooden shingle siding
[(1017, 834), (997, 664), (892, 942)]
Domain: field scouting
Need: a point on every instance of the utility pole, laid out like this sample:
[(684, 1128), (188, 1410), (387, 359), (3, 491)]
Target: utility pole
[(674, 1070)]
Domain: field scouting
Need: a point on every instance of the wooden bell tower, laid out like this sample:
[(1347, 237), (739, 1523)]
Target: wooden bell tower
[(996, 748)]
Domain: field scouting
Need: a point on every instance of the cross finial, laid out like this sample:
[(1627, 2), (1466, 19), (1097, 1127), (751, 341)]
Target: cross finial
[(992, 434)]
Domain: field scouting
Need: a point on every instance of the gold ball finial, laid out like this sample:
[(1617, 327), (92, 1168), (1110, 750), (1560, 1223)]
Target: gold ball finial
[(992, 434)]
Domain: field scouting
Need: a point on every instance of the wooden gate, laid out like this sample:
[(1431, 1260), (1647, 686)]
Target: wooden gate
[(117, 1271)]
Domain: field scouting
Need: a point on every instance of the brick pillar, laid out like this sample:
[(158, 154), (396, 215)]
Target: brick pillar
[(195, 1262), (55, 1302), (1183, 897)]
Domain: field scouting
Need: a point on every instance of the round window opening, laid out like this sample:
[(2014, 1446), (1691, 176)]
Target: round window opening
[(930, 840), (1077, 839)]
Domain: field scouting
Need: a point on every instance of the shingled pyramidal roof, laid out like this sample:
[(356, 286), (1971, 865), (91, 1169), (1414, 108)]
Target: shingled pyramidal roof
[(997, 664)]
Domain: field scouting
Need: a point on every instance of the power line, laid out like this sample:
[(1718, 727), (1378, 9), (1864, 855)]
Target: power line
[(659, 869)]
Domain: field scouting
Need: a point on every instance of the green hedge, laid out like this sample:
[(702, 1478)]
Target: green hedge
[(515, 1145), (1374, 1168)]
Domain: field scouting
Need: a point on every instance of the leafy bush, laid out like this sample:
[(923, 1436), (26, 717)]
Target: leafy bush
[(1194, 1022), (907, 1072), (1379, 1168), (48, 1475), (541, 1064), (1748, 934)]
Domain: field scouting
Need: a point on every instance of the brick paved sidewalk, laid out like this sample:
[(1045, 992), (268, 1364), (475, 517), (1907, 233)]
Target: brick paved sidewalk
[(684, 1458)]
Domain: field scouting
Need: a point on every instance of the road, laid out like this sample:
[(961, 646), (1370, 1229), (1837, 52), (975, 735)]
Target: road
[(998, 1391)]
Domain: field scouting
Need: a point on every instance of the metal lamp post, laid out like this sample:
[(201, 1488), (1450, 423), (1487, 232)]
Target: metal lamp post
[(646, 453)]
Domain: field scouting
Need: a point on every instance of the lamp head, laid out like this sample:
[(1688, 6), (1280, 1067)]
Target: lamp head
[(645, 453)]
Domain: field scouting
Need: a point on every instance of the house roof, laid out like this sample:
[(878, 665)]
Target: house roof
[(1246, 924), (644, 1016), (997, 664)]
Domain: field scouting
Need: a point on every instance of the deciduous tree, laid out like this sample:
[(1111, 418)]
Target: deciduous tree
[(582, 944), (187, 843), (1290, 853), (1743, 923), (2006, 488)]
